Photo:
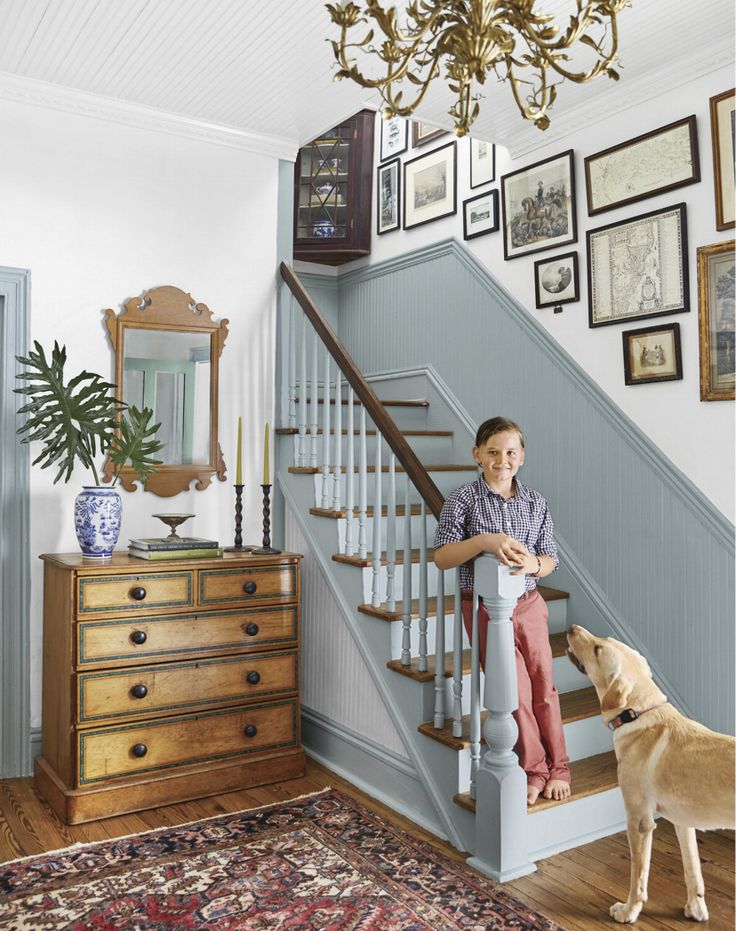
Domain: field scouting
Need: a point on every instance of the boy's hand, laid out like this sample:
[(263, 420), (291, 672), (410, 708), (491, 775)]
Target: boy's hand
[(528, 566), (507, 550)]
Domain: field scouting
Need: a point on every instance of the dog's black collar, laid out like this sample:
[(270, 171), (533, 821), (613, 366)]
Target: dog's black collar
[(629, 715)]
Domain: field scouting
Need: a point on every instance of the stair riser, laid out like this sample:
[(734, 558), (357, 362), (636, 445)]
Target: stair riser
[(427, 448), (416, 523)]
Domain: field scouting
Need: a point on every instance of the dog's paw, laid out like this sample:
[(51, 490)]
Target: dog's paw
[(624, 913), (695, 909)]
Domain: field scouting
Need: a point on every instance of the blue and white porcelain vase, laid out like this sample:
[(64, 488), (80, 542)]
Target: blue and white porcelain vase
[(98, 512)]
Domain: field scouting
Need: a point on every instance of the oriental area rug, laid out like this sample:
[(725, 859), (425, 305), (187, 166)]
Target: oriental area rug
[(322, 862)]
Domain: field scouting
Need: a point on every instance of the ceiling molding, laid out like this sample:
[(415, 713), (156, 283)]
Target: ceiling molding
[(81, 103)]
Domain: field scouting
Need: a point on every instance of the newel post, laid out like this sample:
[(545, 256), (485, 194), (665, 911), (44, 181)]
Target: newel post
[(501, 842)]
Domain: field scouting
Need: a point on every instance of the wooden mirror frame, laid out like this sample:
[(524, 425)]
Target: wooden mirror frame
[(169, 308)]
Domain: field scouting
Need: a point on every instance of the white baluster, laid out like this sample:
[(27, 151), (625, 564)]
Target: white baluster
[(457, 663), (326, 500), (376, 582), (391, 536), (314, 409), (474, 699), (362, 490), (337, 471), (292, 365), (406, 593), (423, 610), (439, 653), (303, 391), (350, 503)]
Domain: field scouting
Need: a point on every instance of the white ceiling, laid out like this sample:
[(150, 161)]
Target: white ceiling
[(248, 67)]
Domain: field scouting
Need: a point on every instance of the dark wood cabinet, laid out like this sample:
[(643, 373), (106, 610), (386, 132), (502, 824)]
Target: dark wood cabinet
[(333, 187)]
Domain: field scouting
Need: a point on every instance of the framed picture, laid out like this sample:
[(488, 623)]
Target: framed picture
[(723, 132), (480, 215), (539, 207), (430, 182), (422, 133), (388, 193), (394, 137), (659, 161), (482, 163), (638, 268), (716, 319), (652, 354), (556, 280)]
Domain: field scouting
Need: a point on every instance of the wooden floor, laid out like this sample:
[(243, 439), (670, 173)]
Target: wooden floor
[(574, 888)]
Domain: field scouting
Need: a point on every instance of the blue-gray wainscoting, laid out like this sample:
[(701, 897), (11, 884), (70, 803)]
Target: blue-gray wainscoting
[(659, 555)]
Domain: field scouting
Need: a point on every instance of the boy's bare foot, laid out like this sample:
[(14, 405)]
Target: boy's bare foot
[(557, 789), (532, 794)]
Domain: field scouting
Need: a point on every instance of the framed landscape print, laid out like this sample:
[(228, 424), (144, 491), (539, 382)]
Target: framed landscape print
[(723, 132), (388, 193), (480, 215), (656, 162), (422, 133), (394, 137), (637, 268), (716, 321), (482, 163), (652, 354), (556, 280), (539, 207), (430, 182)]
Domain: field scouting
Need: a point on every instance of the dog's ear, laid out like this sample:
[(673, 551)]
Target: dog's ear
[(617, 693)]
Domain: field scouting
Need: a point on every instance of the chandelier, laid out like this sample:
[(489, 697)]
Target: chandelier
[(473, 38)]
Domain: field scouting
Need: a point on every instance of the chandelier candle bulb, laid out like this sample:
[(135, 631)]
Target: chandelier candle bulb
[(265, 456), (239, 465)]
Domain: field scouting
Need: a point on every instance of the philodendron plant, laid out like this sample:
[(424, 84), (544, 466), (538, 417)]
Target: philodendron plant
[(75, 421)]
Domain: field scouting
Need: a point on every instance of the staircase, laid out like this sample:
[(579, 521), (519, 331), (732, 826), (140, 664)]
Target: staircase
[(377, 566)]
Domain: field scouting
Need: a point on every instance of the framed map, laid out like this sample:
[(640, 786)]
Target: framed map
[(638, 268), (658, 161)]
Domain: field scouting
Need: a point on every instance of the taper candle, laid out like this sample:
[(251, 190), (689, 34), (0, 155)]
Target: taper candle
[(265, 457), (239, 466)]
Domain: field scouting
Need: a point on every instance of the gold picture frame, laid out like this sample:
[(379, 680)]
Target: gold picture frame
[(722, 119), (716, 321)]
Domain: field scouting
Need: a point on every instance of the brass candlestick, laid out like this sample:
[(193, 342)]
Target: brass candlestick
[(266, 549)]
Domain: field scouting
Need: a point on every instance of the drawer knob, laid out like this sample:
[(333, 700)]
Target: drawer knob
[(140, 750), (251, 630), (139, 636), (249, 588), (251, 730), (139, 691), (253, 677), (138, 594)]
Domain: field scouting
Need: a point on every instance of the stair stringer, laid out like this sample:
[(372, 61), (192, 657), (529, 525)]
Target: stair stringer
[(372, 640)]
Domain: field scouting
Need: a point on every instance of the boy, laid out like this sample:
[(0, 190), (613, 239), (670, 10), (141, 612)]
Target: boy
[(498, 514)]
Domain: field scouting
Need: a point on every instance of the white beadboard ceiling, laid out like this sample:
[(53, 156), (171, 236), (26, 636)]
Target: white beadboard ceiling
[(260, 74)]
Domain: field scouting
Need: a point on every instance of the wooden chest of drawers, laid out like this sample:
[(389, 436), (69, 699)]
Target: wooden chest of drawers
[(167, 682)]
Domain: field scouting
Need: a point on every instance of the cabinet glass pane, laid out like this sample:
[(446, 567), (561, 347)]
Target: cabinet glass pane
[(323, 186)]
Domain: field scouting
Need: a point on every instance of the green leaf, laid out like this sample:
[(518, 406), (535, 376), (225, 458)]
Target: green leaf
[(133, 442)]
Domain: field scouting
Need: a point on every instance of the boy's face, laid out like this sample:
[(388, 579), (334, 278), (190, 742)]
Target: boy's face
[(500, 457)]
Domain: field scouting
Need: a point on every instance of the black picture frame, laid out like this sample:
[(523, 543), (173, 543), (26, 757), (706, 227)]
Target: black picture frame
[(389, 146), (388, 173), (480, 175), (643, 356), (604, 304), (569, 291), (481, 228), (417, 213)]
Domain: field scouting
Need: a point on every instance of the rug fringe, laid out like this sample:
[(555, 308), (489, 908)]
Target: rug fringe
[(79, 845)]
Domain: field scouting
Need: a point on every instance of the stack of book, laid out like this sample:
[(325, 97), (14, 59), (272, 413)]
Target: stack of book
[(183, 548)]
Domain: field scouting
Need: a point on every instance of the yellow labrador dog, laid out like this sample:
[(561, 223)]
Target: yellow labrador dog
[(666, 763)]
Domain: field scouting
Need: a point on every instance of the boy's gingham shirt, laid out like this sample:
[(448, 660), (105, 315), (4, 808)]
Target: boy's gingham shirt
[(475, 508)]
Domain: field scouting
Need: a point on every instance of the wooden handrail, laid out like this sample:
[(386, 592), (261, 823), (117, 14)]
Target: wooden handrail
[(429, 492)]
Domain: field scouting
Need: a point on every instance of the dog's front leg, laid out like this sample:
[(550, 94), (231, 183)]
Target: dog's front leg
[(695, 906), (639, 831)]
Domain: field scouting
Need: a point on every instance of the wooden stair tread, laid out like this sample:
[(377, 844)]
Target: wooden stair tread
[(590, 776), (368, 561), (582, 703), (314, 470), (328, 512), (418, 402), (549, 594), (293, 431)]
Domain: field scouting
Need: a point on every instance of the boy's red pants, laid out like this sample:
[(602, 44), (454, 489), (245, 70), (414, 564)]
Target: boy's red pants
[(541, 744)]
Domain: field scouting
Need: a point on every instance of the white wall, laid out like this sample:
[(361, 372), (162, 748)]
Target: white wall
[(100, 212), (697, 436)]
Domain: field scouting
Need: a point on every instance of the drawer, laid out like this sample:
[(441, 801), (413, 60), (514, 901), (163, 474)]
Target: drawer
[(126, 640), (114, 752), (177, 687), (247, 586), (141, 592)]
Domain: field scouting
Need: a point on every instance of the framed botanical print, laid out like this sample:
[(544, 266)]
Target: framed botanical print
[(480, 215), (388, 194), (556, 280), (658, 161), (394, 137), (723, 133), (482, 163), (430, 183), (716, 321), (422, 133), (539, 206), (652, 354), (637, 268)]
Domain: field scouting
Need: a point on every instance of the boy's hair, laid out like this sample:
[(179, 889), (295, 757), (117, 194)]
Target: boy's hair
[(497, 425)]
